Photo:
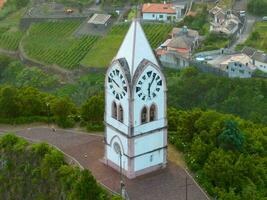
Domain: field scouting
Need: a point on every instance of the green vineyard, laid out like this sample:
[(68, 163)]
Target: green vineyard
[(157, 33), (9, 40), (53, 43), (109, 45)]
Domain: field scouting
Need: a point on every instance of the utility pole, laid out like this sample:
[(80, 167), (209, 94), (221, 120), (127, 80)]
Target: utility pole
[(186, 188)]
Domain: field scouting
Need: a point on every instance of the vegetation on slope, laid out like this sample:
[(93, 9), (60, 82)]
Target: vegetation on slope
[(257, 7), (10, 35), (12, 6), (17, 74), (242, 97), (258, 37), (246, 98), (227, 154), (53, 43), (105, 49), (38, 171)]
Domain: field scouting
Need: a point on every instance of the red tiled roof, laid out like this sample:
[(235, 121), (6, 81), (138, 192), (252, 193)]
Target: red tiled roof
[(158, 8), (2, 3), (160, 52)]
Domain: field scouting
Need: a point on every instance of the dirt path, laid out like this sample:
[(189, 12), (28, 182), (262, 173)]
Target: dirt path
[(176, 156)]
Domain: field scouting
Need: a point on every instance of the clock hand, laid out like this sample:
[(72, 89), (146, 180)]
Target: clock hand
[(149, 85), (116, 83), (152, 80)]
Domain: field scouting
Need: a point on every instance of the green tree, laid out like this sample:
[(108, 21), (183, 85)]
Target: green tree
[(86, 188), (257, 7), (93, 109), (9, 102), (219, 168), (231, 138), (62, 109)]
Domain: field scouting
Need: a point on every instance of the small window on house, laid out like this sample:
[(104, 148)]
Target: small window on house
[(120, 114), (152, 113), (114, 110), (151, 158), (144, 115), (153, 15), (160, 16)]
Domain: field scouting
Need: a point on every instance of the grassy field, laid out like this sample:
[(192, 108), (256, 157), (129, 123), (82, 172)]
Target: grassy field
[(53, 43), (258, 38), (105, 49), (10, 35)]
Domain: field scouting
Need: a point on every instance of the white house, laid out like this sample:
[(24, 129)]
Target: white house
[(237, 65), (259, 58), (162, 12), (260, 61), (135, 108)]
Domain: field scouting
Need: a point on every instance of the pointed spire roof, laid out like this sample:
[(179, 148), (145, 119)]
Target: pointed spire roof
[(135, 47)]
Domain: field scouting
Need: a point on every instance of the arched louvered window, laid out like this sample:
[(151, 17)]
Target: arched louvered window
[(152, 113), (120, 114), (114, 110), (144, 115)]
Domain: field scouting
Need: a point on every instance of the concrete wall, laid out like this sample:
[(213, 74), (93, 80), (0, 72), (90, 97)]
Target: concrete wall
[(173, 61)]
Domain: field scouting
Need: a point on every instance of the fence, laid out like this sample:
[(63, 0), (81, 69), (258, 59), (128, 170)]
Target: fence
[(204, 67), (25, 23)]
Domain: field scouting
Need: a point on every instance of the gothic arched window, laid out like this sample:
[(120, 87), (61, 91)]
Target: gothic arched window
[(144, 115), (120, 114), (152, 113), (114, 110)]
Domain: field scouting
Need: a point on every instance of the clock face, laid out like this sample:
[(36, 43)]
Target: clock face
[(148, 85), (117, 84)]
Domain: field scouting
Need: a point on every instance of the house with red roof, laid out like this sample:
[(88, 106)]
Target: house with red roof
[(2, 2), (162, 11)]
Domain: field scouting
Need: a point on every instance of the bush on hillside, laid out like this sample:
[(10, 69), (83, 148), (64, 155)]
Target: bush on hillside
[(226, 154), (38, 171)]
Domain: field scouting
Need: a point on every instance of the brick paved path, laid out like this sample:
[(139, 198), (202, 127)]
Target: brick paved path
[(166, 184)]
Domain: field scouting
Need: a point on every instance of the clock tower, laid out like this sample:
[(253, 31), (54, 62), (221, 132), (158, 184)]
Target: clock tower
[(135, 108)]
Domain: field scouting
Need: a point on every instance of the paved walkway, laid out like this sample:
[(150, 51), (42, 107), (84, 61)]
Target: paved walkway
[(166, 184)]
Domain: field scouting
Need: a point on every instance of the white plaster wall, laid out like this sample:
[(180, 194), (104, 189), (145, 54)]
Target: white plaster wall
[(124, 102), (155, 16), (113, 137), (143, 128), (148, 143), (261, 66), (112, 134), (159, 101), (143, 162), (115, 158), (240, 72)]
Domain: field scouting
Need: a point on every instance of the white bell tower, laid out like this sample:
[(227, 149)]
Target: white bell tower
[(135, 108)]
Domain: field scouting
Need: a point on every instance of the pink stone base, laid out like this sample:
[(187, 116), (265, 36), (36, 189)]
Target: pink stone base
[(131, 175)]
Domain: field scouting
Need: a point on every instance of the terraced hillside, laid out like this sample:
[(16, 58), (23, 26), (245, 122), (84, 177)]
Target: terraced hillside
[(53, 43), (106, 48)]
